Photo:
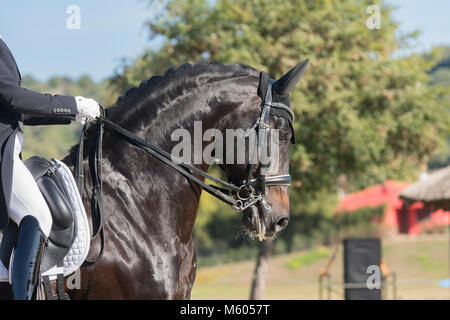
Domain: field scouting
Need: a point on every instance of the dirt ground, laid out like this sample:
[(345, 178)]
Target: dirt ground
[(419, 263)]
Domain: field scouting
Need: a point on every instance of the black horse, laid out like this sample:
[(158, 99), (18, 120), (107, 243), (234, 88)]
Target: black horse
[(149, 208)]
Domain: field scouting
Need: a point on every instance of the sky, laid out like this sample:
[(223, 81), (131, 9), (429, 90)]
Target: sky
[(37, 34), (110, 30), (430, 17)]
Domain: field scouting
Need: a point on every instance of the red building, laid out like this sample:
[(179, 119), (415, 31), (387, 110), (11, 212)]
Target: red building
[(413, 219)]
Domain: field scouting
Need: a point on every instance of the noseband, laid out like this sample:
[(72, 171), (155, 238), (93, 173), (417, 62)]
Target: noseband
[(239, 197)]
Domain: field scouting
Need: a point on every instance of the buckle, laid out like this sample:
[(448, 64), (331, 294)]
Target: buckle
[(245, 192)]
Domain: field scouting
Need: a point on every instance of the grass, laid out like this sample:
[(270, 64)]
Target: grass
[(307, 258), (418, 262)]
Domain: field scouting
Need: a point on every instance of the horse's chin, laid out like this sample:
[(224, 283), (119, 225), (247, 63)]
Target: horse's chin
[(254, 222)]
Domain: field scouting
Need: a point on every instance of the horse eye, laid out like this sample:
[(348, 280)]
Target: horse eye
[(283, 136)]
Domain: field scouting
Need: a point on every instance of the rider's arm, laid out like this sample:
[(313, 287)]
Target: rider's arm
[(25, 101), (87, 108)]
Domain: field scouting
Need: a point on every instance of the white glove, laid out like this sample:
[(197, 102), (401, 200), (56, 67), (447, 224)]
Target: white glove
[(87, 109)]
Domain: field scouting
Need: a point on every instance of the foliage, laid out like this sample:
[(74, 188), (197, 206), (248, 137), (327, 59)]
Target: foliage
[(320, 228), (440, 75), (440, 72), (362, 215)]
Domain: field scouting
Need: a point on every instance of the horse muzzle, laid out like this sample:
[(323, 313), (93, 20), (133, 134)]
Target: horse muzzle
[(259, 221)]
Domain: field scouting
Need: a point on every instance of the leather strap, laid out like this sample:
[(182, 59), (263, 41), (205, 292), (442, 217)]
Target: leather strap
[(175, 163), (95, 168)]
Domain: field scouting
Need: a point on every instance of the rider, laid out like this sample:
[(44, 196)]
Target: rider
[(20, 197)]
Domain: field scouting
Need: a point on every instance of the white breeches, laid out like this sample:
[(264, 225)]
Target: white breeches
[(26, 198)]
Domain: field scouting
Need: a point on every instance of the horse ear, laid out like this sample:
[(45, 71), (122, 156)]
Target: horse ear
[(288, 81)]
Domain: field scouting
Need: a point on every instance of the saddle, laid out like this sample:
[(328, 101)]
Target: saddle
[(69, 239)]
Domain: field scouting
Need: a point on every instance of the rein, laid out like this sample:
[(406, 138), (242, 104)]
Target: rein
[(238, 197)]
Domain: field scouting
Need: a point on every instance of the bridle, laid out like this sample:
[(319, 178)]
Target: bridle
[(253, 189), (239, 197)]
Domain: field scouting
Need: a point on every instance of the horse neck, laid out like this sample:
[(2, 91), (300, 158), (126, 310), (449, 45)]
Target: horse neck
[(216, 106)]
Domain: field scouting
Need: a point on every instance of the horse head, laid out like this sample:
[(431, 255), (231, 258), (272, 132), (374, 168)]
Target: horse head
[(265, 177)]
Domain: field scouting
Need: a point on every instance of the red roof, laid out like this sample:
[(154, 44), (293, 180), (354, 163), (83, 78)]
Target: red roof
[(387, 194), (373, 196)]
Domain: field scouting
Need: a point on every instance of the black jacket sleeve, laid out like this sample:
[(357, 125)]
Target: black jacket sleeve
[(31, 120), (34, 105)]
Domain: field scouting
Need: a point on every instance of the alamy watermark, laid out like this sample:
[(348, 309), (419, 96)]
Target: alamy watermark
[(74, 281), (242, 146), (374, 20), (374, 280), (73, 22)]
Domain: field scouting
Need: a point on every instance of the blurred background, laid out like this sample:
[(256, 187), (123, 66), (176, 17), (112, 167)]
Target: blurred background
[(372, 124)]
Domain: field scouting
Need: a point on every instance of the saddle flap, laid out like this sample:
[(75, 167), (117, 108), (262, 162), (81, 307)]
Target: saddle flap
[(55, 194), (57, 202)]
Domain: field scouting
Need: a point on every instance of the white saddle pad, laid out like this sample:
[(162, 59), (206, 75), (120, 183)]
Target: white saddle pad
[(80, 247)]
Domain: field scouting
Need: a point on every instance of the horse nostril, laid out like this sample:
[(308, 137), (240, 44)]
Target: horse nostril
[(281, 223)]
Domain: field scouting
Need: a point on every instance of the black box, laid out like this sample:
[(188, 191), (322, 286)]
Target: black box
[(359, 254)]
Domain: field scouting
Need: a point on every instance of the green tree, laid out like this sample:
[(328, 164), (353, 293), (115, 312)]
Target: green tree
[(440, 75)]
